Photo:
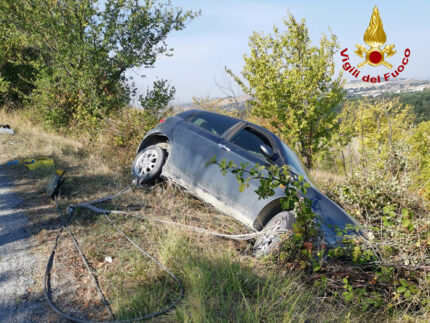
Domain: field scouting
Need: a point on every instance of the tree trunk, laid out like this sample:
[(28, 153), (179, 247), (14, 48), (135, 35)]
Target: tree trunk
[(343, 163), (308, 160), (364, 159), (307, 154)]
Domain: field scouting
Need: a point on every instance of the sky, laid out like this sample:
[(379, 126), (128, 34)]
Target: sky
[(219, 38)]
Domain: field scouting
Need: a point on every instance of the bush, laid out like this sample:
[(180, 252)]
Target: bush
[(365, 194), (399, 241), (121, 135), (75, 102), (419, 157)]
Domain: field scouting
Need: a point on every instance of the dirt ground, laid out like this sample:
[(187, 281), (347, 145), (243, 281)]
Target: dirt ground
[(21, 294)]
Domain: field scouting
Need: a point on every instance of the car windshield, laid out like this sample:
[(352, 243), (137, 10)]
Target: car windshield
[(294, 162), (250, 140)]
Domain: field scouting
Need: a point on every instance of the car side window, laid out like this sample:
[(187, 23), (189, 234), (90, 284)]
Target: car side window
[(250, 140), (214, 123)]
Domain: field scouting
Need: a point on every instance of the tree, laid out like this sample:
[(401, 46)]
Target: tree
[(291, 83), (156, 100), (382, 127), (16, 76), (83, 48), (419, 157), (230, 89)]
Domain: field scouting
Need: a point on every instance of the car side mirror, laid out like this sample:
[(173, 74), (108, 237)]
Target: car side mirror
[(267, 151)]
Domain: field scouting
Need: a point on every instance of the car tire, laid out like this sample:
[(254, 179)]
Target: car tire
[(148, 164), (271, 238)]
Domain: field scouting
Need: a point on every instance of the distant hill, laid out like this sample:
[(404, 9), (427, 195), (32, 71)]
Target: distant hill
[(413, 92), (360, 88), (228, 103), (419, 100)]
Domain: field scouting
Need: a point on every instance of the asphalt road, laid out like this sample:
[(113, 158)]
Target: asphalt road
[(18, 300)]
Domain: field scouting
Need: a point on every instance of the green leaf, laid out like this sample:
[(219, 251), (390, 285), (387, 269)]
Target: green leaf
[(348, 296), (211, 161), (242, 187), (401, 289), (407, 294), (414, 289), (356, 253), (406, 223), (403, 282)]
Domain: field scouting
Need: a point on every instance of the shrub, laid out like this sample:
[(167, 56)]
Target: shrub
[(419, 158), (399, 240), (121, 135)]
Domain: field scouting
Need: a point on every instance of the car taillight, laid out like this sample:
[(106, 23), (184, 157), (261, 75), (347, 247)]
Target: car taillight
[(162, 120)]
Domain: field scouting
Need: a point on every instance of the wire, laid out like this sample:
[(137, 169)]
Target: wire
[(47, 285), (84, 260), (239, 237)]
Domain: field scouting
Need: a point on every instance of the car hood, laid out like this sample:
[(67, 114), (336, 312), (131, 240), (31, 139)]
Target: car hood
[(332, 216)]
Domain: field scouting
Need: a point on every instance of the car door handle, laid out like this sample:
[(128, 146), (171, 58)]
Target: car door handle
[(224, 147)]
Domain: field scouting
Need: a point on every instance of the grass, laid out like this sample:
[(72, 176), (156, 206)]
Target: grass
[(222, 281)]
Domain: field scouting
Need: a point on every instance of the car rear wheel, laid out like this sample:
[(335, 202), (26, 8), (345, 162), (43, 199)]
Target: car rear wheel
[(148, 164), (271, 237)]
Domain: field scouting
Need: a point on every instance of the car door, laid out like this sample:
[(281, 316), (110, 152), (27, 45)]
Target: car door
[(195, 141), (242, 146)]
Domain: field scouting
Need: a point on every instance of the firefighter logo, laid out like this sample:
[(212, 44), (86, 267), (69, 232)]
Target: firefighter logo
[(375, 37)]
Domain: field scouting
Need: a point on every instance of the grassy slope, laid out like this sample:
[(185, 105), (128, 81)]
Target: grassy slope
[(222, 281)]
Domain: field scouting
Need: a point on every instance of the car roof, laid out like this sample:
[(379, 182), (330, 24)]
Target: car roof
[(188, 113)]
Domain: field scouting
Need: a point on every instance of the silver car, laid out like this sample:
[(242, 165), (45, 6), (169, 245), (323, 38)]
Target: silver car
[(179, 147)]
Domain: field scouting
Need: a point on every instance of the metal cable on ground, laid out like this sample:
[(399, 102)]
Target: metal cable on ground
[(105, 212), (84, 260), (181, 289), (47, 291), (239, 237)]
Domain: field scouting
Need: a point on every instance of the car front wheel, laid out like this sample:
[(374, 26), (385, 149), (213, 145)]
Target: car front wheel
[(148, 164), (273, 230)]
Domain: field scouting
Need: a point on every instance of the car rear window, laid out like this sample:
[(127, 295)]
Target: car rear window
[(215, 123)]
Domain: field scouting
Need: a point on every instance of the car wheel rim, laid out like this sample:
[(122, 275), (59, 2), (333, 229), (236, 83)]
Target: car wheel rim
[(146, 162), (271, 236)]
